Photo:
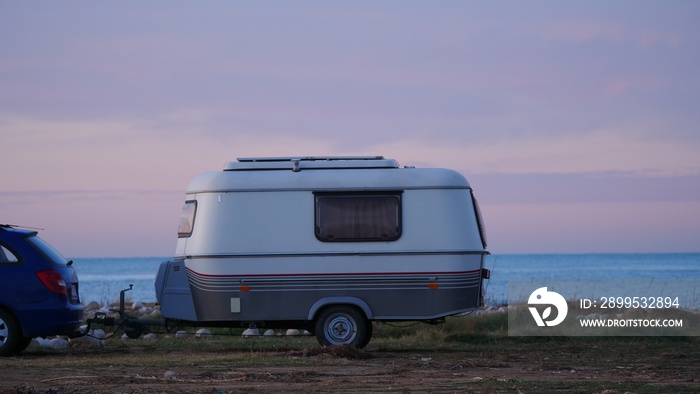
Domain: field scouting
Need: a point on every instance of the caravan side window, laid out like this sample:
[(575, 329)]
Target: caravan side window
[(186, 224), (361, 216)]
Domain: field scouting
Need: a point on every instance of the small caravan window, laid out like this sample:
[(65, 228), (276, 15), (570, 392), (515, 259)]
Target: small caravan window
[(479, 220), (368, 216), (186, 224)]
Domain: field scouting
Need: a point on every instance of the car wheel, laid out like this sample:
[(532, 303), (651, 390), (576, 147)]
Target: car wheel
[(341, 325), (24, 343), (9, 334)]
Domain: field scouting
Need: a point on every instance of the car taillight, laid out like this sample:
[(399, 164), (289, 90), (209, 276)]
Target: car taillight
[(53, 281)]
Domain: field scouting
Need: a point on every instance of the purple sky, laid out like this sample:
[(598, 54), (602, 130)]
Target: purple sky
[(576, 123)]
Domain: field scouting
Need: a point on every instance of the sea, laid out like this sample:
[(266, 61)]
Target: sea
[(101, 279)]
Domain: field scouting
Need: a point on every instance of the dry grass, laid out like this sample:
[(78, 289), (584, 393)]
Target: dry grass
[(472, 354)]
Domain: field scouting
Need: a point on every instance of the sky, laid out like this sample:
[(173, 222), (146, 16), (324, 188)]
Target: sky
[(576, 123)]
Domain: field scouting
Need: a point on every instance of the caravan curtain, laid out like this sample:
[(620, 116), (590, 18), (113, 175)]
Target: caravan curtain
[(358, 217)]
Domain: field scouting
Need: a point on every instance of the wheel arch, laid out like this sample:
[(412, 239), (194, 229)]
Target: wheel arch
[(13, 315), (328, 301)]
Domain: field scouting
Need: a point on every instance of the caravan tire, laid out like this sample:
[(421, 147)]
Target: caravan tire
[(343, 325), (133, 331)]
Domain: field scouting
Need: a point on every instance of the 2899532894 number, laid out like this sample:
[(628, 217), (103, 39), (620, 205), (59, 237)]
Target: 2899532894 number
[(640, 302)]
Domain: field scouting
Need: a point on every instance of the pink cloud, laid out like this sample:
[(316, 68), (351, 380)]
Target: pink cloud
[(650, 39), (624, 84), (585, 31)]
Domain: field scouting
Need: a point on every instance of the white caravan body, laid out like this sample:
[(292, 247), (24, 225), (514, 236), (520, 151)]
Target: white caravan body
[(279, 241)]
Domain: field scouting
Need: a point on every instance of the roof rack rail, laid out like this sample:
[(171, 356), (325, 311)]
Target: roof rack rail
[(307, 158), (297, 163)]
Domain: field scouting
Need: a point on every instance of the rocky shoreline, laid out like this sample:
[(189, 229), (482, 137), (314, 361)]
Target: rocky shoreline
[(95, 338)]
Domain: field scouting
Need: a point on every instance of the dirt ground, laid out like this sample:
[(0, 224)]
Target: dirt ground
[(507, 366)]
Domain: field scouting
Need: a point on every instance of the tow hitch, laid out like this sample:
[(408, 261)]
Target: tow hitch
[(132, 326)]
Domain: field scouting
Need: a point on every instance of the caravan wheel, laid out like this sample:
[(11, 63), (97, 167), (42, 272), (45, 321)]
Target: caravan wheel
[(133, 331), (341, 325)]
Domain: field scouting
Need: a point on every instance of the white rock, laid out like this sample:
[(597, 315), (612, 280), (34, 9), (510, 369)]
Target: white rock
[(293, 332), (58, 344), (136, 306), (306, 333), (124, 336), (43, 342), (251, 332), (203, 333), (98, 338), (169, 375), (269, 333), (150, 335), (92, 305), (145, 310), (181, 334), (33, 345)]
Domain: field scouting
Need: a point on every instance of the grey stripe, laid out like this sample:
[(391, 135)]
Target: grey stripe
[(379, 282)]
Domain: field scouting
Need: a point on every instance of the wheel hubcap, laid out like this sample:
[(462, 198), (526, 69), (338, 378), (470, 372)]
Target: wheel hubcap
[(340, 330), (4, 332)]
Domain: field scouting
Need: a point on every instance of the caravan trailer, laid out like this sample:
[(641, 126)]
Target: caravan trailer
[(326, 244)]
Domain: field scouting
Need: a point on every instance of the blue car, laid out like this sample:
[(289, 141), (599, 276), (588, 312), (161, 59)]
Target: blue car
[(38, 291)]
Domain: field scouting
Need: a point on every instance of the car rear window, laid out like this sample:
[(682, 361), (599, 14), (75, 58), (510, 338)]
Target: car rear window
[(7, 256), (47, 250)]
